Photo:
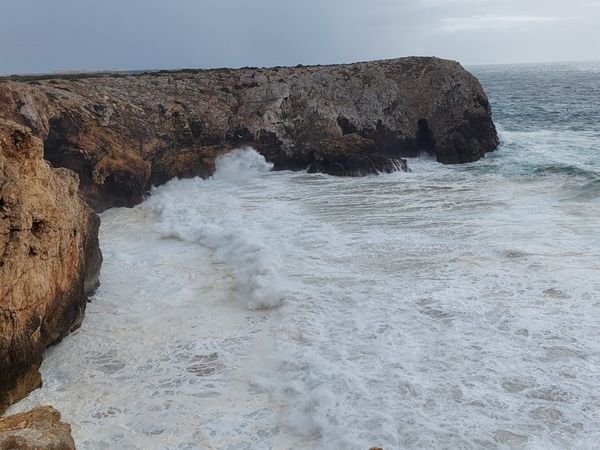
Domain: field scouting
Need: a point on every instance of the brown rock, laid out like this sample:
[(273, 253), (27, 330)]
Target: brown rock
[(49, 258), (123, 132), (38, 429)]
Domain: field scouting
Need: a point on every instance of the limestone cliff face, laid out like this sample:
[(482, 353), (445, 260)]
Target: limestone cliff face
[(122, 133), (49, 258)]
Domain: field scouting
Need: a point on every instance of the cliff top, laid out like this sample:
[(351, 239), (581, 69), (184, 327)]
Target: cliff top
[(402, 63)]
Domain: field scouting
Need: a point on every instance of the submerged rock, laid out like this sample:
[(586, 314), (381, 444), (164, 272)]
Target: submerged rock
[(49, 258), (38, 429), (123, 133)]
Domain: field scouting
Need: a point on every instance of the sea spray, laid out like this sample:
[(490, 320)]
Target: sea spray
[(241, 164), (240, 244)]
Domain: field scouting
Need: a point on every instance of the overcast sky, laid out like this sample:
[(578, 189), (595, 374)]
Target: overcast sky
[(47, 35)]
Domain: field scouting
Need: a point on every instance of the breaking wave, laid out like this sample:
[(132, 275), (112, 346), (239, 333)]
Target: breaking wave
[(240, 164), (230, 230)]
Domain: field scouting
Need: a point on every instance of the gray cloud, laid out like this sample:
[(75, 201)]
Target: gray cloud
[(491, 22), (42, 35), (450, 2)]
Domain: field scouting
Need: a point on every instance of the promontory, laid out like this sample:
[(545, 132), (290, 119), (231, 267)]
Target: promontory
[(123, 133)]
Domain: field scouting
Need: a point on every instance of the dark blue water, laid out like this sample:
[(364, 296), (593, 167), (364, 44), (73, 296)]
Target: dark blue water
[(560, 97), (548, 116)]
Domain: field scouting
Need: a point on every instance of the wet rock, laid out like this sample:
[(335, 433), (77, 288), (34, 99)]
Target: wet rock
[(49, 258), (38, 429), (123, 133), (352, 155)]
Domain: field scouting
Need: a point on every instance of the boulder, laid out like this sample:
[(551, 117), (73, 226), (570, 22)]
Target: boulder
[(49, 258), (124, 132), (38, 429)]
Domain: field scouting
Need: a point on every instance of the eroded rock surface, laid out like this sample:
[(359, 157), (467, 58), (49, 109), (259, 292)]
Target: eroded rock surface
[(49, 258), (38, 429), (122, 133)]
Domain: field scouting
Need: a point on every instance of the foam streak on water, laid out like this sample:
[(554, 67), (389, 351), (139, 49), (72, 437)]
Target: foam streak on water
[(450, 307)]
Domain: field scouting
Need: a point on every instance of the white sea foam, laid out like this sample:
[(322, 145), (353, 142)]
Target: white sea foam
[(240, 164), (461, 307), (240, 244)]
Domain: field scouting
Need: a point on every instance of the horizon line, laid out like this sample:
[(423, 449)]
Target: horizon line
[(87, 71)]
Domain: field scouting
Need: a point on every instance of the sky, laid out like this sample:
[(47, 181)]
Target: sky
[(42, 36)]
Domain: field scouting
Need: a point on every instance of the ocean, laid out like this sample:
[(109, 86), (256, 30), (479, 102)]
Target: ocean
[(451, 307)]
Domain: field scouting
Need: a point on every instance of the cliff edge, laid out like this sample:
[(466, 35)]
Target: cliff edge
[(123, 133), (49, 258)]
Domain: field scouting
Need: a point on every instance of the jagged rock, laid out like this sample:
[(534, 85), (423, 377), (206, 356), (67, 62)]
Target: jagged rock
[(49, 258), (124, 132), (38, 429)]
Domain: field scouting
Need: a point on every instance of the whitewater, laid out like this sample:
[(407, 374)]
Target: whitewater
[(451, 307)]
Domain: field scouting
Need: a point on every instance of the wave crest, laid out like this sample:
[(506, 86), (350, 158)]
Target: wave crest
[(216, 219), (239, 164)]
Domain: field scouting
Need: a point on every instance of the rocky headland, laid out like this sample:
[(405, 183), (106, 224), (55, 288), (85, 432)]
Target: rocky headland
[(123, 133), (71, 142)]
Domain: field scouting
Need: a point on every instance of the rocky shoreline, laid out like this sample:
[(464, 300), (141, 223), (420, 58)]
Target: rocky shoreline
[(123, 133), (72, 144)]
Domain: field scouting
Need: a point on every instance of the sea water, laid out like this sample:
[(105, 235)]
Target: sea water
[(452, 307)]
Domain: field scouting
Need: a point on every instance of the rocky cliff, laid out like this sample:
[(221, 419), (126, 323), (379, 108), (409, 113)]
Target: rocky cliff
[(49, 258), (124, 132)]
